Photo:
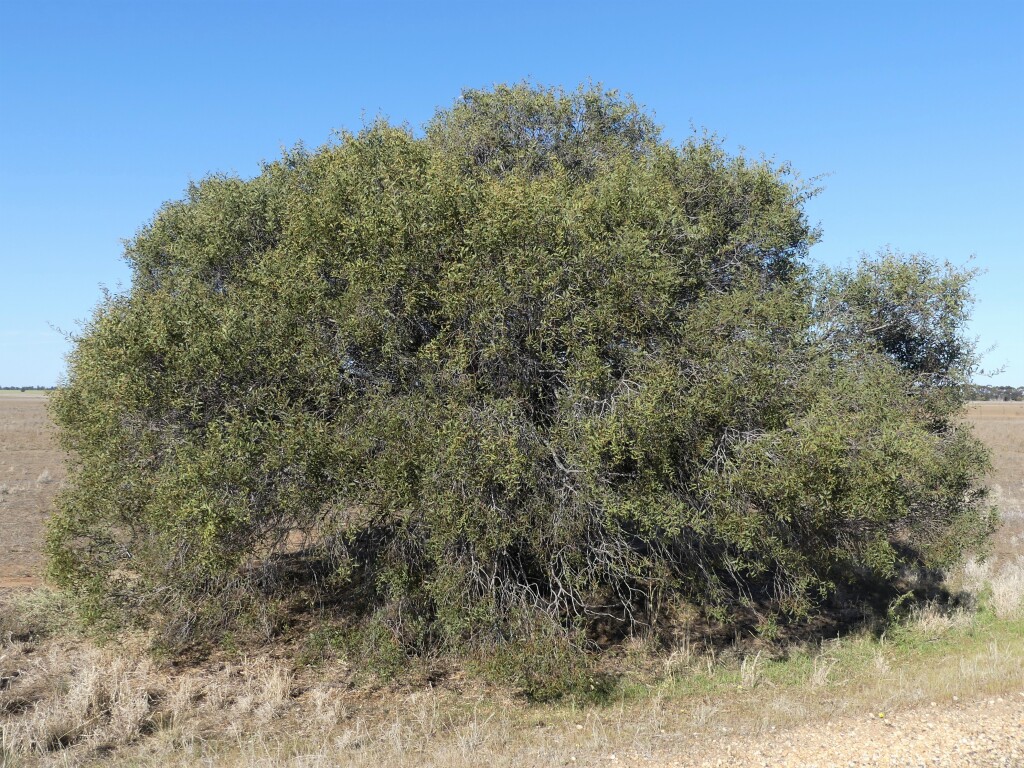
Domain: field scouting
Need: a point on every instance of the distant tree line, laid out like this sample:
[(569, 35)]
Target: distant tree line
[(987, 392), (27, 389)]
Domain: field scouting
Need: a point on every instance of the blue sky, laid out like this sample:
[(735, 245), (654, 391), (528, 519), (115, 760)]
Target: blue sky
[(107, 109)]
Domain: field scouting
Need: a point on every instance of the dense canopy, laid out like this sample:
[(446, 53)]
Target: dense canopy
[(529, 371)]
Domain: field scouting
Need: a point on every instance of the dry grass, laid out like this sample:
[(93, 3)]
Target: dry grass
[(102, 699), (1001, 586)]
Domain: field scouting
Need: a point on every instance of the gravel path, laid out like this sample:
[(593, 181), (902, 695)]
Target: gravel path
[(982, 733)]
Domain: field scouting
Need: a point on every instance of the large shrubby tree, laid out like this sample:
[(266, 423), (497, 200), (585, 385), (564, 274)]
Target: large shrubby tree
[(529, 373)]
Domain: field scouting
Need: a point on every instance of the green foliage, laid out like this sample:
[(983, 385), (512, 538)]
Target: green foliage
[(545, 663), (533, 373)]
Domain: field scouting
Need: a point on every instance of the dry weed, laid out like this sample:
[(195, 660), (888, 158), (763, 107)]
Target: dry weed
[(1002, 585), (822, 668), (881, 663), (1008, 590), (703, 713), (79, 696), (973, 575), (680, 658), (329, 708), (750, 675), (935, 619)]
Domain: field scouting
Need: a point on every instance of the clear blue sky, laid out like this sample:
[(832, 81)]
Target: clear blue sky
[(915, 109)]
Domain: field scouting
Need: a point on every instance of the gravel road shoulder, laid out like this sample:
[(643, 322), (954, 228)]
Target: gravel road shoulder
[(989, 732)]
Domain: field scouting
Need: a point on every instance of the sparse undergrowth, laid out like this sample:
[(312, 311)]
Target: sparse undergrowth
[(70, 700)]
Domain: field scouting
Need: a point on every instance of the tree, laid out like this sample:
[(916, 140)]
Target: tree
[(529, 373)]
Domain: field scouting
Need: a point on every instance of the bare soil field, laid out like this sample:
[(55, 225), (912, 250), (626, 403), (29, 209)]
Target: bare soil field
[(1001, 426), (943, 688), (31, 470)]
